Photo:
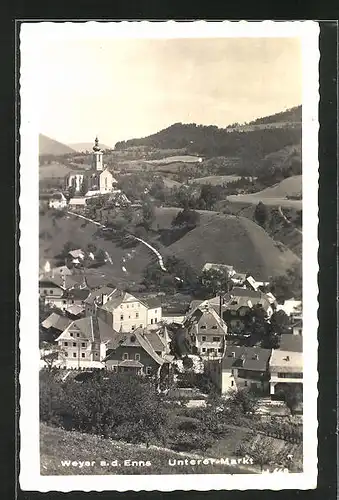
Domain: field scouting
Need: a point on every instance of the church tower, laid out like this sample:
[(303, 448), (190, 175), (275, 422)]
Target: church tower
[(97, 157)]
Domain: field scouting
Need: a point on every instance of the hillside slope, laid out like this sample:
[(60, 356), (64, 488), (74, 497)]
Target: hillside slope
[(235, 241), (274, 196), (48, 146)]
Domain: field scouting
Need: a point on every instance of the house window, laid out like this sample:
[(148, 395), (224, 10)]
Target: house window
[(232, 383), (203, 327), (74, 354), (74, 344), (51, 292), (152, 321), (203, 349), (127, 306), (64, 301), (132, 305), (214, 327), (66, 344), (216, 339), (148, 370), (155, 312), (156, 320), (125, 355), (115, 368), (137, 315), (78, 334), (245, 384), (121, 317), (137, 357), (83, 344), (66, 354), (219, 350), (129, 316), (71, 334), (82, 354), (203, 338), (141, 325), (133, 327)]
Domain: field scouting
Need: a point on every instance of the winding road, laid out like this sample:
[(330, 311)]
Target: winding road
[(287, 220), (154, 250)]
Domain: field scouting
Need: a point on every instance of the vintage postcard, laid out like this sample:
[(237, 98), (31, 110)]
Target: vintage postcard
[(169, 213)]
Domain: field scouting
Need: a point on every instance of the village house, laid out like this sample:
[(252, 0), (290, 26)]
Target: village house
[(222, 268), (55, 324), (83, 343), (125, 312), (293, 309), (241, 367), (97, 298), (69, 298), (140, 352), (57, 201), (238, 303), (206, 331), (285, 367)]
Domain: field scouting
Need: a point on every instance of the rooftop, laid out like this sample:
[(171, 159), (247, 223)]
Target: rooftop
[(248, 358), (286, 361), (56, 321)]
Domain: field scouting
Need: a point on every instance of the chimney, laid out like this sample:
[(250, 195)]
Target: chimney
[(256, 356), (104, 298), (287, 358)]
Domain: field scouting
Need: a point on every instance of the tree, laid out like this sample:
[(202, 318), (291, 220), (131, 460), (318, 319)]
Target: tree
[(245, 400), (215, 281), (208, 196), (280, 322), (293, 396), (261, 451), (148, 215), (261, 214), (288, 285), (51, 354), (186, 218), (84, 186)]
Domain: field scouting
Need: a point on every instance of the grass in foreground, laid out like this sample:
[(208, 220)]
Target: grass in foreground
[(58, 447)]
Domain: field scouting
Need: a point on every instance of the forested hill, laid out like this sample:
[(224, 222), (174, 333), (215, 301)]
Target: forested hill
[(292, 115), (234, 141)]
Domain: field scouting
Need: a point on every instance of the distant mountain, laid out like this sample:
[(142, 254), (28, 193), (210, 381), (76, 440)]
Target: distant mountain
[(48, 146), (82, 147), (265, 136)]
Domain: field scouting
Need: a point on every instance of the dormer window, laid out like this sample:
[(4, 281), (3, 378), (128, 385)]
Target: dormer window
[(203, 327), (214, 327)]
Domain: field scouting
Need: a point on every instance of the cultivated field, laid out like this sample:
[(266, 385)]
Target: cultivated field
[(175, 159), (215, 180), (274, 195)]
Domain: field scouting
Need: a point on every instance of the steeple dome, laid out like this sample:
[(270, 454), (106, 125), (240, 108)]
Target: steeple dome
[(96, 145)]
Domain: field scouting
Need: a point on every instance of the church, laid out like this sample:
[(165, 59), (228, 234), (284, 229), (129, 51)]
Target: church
[(94, 181)]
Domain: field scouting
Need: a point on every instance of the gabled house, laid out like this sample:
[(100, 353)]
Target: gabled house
[(64, 299), (125, 312), (206, 331), (98, 298), (241, 367), (83, 343), (55, 324), (140, 352), (238, 303), (286, 367)]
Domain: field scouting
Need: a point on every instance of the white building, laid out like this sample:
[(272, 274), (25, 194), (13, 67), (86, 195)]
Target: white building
[(58, 201), (94, 181), (125, 313), (285, 367)]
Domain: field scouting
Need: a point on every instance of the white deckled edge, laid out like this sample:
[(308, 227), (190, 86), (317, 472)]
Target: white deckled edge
[(34, 35)]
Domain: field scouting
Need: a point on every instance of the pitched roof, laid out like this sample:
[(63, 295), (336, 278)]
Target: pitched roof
[(75, 309), (242, 297), (289, 342), (131, 363), (77, 253), (217, 267), (95, 295), (119, 297), (76, 293), (206, 317), (59, 280), (138, 338), (286, 361), (56, 321), (247, 358), (91, 328)]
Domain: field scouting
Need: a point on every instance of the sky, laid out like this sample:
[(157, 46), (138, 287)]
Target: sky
[(120, 89)]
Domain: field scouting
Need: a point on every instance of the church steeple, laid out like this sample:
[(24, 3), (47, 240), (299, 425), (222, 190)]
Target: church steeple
[(96, 144), (97, 157)]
